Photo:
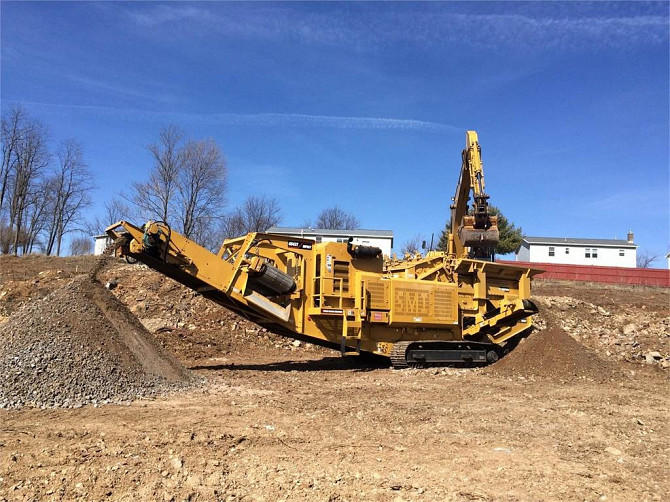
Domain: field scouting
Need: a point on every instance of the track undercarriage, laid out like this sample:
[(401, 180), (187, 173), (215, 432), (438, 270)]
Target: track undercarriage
[(428, 353)]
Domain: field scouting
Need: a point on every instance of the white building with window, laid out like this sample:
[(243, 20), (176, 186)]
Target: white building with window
[(382, 239), (570, 251)]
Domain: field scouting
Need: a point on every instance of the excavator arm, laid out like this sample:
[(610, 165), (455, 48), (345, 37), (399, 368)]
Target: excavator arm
[(475, 229)]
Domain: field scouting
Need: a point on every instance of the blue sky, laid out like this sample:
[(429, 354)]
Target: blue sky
[(365, 105)]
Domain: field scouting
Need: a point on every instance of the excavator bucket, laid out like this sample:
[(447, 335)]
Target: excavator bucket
[(485, 236)]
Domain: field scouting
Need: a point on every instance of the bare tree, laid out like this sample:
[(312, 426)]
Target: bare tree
[(645, 258), (80, 246), (334, 218), (6, 235), (257, 214), (156, 197), (24, 155), (31, 158), (37, 216), (115, 210), (201, 187), (15, 125), (412, 245), (70, 189), (233, 225), (37, 208), (187, 184)]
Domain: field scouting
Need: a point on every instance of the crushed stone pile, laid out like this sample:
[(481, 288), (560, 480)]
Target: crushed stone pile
[(552, 353), (79, 345)]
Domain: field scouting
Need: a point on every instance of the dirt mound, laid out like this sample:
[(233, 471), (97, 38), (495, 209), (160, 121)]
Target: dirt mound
[(28, 278), (614, 328), (80, 345), (552, 353)]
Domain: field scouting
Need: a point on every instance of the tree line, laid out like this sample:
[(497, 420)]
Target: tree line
[(45, 190)]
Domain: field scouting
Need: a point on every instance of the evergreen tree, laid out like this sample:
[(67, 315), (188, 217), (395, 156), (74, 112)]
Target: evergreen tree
[(510, 235)]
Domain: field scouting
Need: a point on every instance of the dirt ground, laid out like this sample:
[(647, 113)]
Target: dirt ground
[(281, 421)]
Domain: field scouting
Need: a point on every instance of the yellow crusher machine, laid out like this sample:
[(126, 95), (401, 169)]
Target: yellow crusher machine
[(453, 307)]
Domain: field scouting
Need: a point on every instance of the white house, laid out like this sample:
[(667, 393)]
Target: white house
[(570, 251), (382, 239), (101, 242)]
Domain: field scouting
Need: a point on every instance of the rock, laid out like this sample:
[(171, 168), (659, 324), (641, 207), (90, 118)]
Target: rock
[(155, 324), (629, 329), (296, 343), (111, 284), (613, 451), (177, 463), (603, 312)]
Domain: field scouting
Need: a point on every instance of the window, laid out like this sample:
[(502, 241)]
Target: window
[(622, 252), (567, 250), (551, 251), (594, 253), (587, 253), (318, 239)]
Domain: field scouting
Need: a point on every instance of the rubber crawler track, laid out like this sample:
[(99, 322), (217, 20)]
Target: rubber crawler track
[(399, 355)]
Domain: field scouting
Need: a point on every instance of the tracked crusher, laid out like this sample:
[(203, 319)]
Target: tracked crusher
[(453, 307)]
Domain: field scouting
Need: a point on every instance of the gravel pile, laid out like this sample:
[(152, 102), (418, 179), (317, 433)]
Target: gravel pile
[(80, 345)]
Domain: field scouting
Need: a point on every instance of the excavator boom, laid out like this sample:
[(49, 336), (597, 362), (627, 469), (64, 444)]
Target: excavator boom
[(476, 229)]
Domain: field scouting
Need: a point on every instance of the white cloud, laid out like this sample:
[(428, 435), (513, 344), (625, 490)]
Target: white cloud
[(133, 91), (339, 122), (263, 119), (633, 201), (248, 177), (572, 32), (531, 28), (161, 14)]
